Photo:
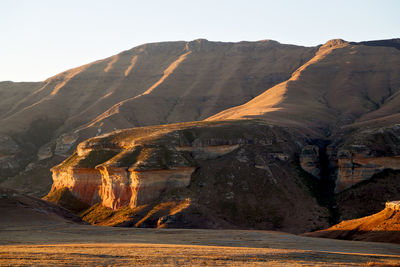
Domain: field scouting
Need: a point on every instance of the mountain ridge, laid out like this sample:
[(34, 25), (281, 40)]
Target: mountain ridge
[(318, 122)]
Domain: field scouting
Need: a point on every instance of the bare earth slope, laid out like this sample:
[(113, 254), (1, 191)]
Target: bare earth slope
[(198, 77), (383, 227), (342, 84)]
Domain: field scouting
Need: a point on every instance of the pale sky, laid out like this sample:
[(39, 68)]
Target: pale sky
[(40, 38)]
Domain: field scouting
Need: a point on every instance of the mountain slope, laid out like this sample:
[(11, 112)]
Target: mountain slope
[(342, 84), (19, 210), (199, 77), (283, 111), (147, 85)]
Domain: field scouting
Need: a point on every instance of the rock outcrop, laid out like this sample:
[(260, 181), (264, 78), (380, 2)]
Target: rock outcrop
[(84, 183), (135, 171), (198, 167), (357, 167), (310, 161), (116, 187), (64, 143), (366, 152), (393, 205)]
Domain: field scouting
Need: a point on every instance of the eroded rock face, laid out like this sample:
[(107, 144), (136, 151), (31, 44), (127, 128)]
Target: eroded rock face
[(224, 174), (368, 152), (45, 152), (118, 187), (83, 183), (131, 173), (114, 190), (147, 186), (122, 187), (309, 160), (393, 205), (135, 168), (65, 142), (357, 167)]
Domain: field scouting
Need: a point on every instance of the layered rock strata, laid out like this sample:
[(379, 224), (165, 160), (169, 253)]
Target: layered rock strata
[(367, 152), (229, 174), (136, 170), (116, 187), (127, 187), (82, 182), (355, 168)]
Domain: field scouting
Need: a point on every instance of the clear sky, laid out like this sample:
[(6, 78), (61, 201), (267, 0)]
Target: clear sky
[(40, 38)]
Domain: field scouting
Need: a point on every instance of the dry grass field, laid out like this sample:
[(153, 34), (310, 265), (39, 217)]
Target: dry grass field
[(63, 244)]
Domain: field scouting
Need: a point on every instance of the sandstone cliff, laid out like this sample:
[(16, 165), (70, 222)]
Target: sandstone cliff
[(220, 171)]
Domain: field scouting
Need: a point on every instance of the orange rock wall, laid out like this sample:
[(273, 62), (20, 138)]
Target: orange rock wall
[(117, 187), (148, 185), (82, 182), (115, 190)]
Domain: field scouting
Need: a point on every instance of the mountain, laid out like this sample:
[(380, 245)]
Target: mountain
[(343, 84), (348, 95), (177, 81), (157, 83), (274, 136)]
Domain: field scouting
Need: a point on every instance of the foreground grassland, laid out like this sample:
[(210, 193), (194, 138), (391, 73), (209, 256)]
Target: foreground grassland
[(72, 245)]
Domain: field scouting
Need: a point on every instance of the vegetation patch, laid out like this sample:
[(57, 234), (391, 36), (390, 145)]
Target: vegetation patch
[(96, 214), (188, 135), (130, 158), (64, 198), (71, 161), (96, 157)]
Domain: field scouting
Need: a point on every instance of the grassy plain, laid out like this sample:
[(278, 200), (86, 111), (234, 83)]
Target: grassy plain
[(64, 244)]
